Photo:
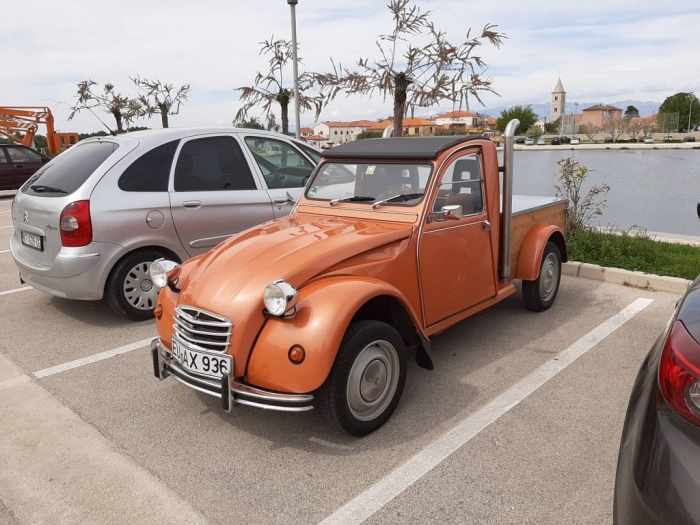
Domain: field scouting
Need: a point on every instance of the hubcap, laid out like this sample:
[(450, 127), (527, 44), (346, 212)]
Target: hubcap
[(138, 288), (550, 277), (373, 380)]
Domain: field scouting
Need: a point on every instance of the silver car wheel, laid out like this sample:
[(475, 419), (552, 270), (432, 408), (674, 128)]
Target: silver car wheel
[(373, 380), (550, 277), (138, 288)]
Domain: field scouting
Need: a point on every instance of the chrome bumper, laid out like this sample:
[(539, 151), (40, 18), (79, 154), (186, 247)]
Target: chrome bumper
[(229, 390)]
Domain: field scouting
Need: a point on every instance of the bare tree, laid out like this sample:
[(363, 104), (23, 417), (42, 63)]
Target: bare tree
[(122, 108), (416, 76), (615, 128), (590, 130), (272, 88), (157, 98), (634, 128)]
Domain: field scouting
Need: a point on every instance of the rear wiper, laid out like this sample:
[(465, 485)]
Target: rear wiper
[(399, 198), (356, 198), (40, 189)]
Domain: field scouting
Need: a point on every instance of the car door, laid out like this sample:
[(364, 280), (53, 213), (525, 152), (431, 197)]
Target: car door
[(6, 171), (284, 169), (25, 163), (214, 193), (455, 257)]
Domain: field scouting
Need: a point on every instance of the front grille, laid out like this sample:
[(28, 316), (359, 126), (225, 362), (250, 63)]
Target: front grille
[(202, 329)]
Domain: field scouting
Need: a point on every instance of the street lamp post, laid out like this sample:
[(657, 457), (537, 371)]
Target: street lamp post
[(690, 110), (292, 5), (573, 127)]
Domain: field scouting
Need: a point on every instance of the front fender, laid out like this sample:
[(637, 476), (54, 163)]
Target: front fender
[(530, 257), (324, 311)]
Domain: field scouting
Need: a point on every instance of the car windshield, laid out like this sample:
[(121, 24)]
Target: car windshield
[(396, 184)]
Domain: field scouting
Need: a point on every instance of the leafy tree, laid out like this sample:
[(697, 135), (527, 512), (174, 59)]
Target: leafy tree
[(630, 113), (416, 75), (534, 132), (40, 142), (157, 98), (367, 134), (525, 114), (553, 126), (122, 108), (272, 88), (681, 103), (251, 123)]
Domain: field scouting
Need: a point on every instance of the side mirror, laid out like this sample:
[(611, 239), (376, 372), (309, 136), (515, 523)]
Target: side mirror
[(451, 213)]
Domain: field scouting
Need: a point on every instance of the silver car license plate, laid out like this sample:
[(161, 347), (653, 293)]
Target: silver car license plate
[(202, 363), (32, 240)]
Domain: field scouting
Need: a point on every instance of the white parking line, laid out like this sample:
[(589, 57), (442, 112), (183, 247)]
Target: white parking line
[(9, 383), (91, 359), (4, 212), (373, 499), (1, 227), (4, 251), (15, 290)]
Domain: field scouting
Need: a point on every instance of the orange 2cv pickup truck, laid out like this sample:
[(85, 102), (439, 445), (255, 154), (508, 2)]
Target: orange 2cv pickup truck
[(392, 241)]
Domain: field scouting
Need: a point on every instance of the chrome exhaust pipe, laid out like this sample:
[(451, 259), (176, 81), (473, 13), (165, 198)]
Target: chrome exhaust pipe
[(507, 204)]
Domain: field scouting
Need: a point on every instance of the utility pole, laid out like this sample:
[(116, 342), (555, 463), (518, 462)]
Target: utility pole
[(292, 5), (573, 133), (690, 110)]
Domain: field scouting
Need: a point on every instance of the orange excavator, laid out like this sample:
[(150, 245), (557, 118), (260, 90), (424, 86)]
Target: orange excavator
[(21, 124)]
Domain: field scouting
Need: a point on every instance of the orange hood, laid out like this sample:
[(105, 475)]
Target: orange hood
[(230, 279)]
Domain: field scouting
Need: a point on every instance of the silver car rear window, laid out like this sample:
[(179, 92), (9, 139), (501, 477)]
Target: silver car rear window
[(67, 172)]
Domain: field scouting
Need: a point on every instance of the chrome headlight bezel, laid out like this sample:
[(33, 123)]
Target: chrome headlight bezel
[(158, 272), (279, 297)]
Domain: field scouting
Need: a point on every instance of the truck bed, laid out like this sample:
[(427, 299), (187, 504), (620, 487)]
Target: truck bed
[(529, 211)]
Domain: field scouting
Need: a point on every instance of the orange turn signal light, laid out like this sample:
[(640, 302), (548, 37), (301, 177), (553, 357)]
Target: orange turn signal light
[(297, 354), (158, 311)]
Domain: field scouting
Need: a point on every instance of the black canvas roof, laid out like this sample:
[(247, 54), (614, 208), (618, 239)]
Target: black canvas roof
[(397, 148)]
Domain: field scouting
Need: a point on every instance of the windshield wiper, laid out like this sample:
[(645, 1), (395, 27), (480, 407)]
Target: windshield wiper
[(356, 198), (398, 198), (39, 188)]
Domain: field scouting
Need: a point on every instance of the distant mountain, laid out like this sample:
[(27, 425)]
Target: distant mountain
[(542, 110)]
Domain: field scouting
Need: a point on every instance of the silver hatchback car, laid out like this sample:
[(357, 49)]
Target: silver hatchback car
[(87, 224)]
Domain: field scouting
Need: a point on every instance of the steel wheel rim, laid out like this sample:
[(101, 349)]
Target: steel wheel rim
[(373, 380), (138, 288), (550, 277)]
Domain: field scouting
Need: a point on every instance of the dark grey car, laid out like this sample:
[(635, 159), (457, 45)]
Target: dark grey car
[(90, 221), (658, 471)]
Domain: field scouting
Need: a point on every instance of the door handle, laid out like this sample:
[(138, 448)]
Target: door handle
[(19, 165), (281, 200), (486, 225), (192, 205)]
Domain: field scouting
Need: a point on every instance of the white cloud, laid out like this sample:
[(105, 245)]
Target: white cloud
[(603, 50)]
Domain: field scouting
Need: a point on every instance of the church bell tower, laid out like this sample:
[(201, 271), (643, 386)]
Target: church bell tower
[(558, 102)]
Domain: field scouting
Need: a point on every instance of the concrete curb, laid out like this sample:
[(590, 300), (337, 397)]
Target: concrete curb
[(645, 281)]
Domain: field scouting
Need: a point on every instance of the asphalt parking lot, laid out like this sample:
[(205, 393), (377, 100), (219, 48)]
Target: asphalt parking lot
[(518, 423)]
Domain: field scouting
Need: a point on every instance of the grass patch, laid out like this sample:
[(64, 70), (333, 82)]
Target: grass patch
[(634, 252)]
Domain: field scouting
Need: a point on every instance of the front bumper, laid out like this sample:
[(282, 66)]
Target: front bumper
[(229, 390)]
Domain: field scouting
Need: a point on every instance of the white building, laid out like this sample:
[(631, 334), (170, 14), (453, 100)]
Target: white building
[(457, 118), (341, 132)]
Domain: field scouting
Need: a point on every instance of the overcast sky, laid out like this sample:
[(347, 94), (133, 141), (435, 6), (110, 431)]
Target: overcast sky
[(604, 50)]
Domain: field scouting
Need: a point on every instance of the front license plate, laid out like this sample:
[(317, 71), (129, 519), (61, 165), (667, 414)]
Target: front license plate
[(202, 363), (32, 240)]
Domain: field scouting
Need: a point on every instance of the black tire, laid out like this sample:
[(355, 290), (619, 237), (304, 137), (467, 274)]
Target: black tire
[(137, 305), (372, 356), (541, 293)]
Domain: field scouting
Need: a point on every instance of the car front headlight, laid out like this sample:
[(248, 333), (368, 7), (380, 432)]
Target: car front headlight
[(159, 270), (279, 296)]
